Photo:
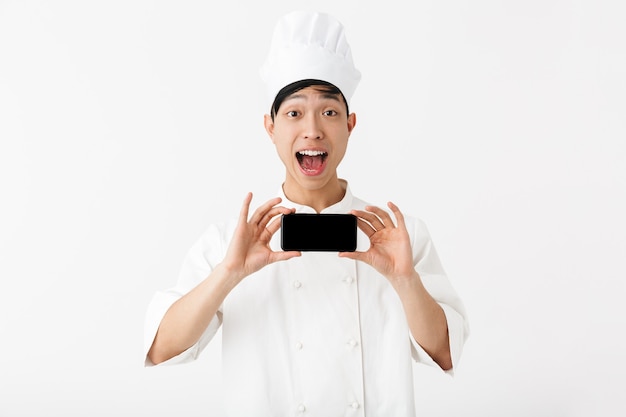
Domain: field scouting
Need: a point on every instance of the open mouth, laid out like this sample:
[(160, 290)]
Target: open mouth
[(312, 162)]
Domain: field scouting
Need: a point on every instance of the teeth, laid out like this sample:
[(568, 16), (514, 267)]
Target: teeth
[(311, 153)]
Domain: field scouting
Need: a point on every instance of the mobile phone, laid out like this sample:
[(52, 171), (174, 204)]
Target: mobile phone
[(318, 232)]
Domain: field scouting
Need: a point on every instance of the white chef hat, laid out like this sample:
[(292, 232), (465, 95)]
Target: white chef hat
[(309, 45)]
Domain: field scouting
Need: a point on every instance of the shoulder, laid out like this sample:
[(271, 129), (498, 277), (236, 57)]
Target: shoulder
[(358, 204), (213, 242)]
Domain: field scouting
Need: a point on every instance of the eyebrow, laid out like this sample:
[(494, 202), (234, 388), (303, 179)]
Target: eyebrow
[(328, 96)]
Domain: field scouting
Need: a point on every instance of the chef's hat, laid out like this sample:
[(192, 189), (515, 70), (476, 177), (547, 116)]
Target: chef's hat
[(309, 45)]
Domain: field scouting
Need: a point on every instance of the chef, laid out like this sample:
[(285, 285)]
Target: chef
[(312, 333)]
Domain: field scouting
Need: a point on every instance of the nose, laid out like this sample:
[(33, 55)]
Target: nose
[(312, 127)]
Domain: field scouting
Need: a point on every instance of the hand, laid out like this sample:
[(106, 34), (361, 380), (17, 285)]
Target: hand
[(249, 249), (390, 247)]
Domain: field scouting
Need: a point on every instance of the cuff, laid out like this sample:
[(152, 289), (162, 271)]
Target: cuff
[(457, 334)]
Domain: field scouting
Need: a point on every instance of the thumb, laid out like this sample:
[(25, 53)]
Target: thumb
[(283, 256), (357, 256)]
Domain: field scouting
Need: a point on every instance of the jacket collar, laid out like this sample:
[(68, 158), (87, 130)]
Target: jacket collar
[(342, 206)]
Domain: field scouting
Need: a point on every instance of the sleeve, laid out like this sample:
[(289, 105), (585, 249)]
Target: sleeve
[(437, 284), (200, 260)]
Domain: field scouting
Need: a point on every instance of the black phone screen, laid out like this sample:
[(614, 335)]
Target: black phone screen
[(318, 232)]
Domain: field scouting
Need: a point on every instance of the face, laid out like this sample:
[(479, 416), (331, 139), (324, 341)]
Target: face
[(310, 132)]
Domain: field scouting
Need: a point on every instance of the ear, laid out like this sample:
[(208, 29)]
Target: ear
[(269, 126), (351, 122)]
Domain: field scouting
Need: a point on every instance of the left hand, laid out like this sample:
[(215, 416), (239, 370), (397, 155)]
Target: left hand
[(390, 247)]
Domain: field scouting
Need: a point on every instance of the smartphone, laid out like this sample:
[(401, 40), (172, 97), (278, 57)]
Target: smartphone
[(318, 232)]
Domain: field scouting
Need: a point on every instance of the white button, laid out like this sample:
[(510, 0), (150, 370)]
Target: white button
[(352, 343), (297, 284), (349, 280), (299, 345), (301, 408), (354, 405)]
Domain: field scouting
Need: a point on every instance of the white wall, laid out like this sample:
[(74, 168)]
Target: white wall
[(126, 127)]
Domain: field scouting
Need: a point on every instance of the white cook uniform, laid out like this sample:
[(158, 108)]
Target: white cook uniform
[(316, 335)]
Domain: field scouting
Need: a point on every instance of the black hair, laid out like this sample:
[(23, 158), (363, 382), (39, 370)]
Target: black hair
[(289, 89)]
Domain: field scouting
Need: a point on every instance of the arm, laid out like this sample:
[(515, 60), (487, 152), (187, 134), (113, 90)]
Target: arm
[(390, 254), (249, 251), (426, 319)]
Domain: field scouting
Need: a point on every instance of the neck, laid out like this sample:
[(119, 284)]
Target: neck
[(318, 198)]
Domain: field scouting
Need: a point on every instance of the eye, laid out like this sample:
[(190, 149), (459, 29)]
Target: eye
[(292, 113), (329, 113)]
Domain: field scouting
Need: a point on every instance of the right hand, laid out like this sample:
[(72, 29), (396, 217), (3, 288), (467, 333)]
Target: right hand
[(249, 249)]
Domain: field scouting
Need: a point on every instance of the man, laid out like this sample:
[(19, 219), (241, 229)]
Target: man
[(314, 333)]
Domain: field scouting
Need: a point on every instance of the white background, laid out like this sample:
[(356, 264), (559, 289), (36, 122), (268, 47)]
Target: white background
[(126, 127)]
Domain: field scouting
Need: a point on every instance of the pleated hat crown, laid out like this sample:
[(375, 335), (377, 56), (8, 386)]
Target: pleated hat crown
[(309, 45)]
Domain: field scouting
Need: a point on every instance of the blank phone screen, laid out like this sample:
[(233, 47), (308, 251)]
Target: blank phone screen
[(318, 232)]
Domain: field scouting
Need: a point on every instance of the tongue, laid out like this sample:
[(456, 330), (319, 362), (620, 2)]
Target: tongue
[(311, 163)]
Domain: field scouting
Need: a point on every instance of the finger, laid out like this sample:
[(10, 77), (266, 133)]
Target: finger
[(283, 256), (245, 207), (260, 212), (365, 227), (371, 218), (274, 225), (356, 255), (383, 215), (398, 214), (270, 215)]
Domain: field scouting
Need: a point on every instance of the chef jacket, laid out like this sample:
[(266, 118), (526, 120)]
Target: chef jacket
[(316, 335)]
